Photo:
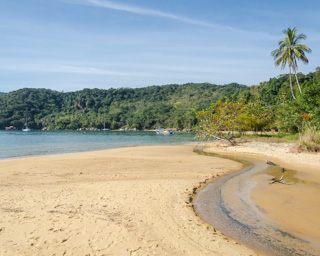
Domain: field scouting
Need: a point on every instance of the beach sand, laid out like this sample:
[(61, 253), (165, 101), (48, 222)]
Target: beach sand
[(127, 201), (294, 204), (132, 201)]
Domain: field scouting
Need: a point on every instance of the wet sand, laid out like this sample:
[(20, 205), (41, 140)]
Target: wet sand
[(128, 201), (293, 205)]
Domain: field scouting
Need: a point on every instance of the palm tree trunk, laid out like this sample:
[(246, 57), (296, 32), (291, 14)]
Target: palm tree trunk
[(291, 83), (295, 73)]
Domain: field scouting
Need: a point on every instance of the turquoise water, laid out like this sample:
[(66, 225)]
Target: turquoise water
[(15, 144)]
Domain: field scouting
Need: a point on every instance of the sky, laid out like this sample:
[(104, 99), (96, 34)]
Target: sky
[(69, 45)]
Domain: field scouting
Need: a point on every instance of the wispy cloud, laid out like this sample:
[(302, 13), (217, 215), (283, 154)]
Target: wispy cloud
[(146, 11), (69, 69), (96, 71)]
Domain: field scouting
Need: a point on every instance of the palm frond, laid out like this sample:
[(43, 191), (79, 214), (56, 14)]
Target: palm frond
[(303, 47)]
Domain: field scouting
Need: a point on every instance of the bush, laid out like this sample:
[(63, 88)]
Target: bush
[(311, 141)]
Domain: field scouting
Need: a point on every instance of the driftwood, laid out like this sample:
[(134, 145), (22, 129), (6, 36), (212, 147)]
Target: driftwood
[(270, 163), (274, 179)]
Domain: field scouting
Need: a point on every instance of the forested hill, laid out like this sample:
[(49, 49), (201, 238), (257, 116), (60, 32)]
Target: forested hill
[(142, 108), (169, 105)]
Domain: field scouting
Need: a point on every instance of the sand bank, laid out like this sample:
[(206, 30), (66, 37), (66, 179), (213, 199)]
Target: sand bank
[(294, 204), (128, 201)]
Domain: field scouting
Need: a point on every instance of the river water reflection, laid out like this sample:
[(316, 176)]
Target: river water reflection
[(246, 208)]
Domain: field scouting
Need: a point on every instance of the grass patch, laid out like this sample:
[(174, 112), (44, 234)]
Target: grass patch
[(273, 137), (310, 141), (310, 147)]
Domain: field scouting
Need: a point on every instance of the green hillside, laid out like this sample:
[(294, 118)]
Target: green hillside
[(142, 108)]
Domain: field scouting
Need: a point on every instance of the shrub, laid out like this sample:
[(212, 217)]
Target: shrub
[(311, 140)]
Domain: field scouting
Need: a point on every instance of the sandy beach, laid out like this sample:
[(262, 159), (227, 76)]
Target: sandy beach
[(127, 201)]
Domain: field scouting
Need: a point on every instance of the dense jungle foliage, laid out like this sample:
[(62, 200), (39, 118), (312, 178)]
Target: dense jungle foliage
[(171, 105)]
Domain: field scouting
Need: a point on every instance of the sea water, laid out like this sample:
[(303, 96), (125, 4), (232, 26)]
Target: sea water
[(16, 144)]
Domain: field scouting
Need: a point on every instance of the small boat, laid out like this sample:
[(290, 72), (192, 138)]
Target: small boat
[(104, 127), (164, 131), (25, 128)]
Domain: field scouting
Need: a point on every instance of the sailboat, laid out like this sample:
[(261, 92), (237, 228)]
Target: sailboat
[(104, 127), (26, 128)]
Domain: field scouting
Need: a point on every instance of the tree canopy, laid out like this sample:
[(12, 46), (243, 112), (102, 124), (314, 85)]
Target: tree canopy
[(142, 108), (270, 105)]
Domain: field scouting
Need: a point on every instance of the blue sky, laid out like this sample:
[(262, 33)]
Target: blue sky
[(68, 45)]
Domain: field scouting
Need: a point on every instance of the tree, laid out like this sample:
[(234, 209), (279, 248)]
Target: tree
[(257, 117), (221, 120), (290, 51)]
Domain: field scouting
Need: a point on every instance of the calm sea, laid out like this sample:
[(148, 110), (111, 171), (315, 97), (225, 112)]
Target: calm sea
[(15, 144)]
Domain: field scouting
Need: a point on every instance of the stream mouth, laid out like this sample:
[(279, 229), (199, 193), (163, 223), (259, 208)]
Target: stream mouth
[(227, 205)]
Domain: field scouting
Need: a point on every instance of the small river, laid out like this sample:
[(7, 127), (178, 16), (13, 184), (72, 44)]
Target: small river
[(227, 205)]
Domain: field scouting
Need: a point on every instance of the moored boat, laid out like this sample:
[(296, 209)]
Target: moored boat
[(164, 131), (104, 127), (25, 128)]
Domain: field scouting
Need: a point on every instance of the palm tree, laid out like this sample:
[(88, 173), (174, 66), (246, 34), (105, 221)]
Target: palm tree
[(290, 51)]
